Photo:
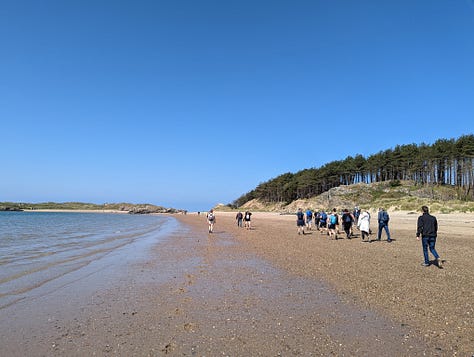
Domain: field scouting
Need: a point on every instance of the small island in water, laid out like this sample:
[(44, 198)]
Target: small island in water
[(132, 208)]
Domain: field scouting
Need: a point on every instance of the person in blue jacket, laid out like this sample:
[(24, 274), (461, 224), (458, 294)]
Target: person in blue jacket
[(383, 219)]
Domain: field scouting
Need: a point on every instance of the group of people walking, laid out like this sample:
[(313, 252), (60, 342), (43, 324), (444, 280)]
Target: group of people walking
[(331, 223), (427, 226), (240, 217), (245, 217)]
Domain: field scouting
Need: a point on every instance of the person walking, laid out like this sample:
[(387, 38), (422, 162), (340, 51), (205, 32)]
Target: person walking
[(323, 219), (309, 219), (247, 216), (427, 228), (238, 217), (300, 221), (363, 223), (347, 219), (317, 218), (211, 220), (356, 214), (383, 219), (333, 224)]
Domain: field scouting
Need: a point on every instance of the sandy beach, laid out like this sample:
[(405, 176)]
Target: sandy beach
[(262, 292), (436, 304)]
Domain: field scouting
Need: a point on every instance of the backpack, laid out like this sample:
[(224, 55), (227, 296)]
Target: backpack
[(324, 216), (347, 218), (333, 219), (210, 217), (309, 214)]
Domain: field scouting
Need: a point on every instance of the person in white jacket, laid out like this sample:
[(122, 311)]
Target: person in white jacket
[(364, 225)]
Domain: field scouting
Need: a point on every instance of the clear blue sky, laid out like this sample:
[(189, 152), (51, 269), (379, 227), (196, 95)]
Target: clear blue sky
[(187, 104)]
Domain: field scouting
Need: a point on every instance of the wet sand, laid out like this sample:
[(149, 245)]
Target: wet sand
[(260, 292)]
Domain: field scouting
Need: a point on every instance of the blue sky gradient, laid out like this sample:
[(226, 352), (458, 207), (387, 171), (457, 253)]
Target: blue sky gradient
[(191, 103)]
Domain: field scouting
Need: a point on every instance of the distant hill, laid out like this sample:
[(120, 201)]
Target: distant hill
[(445, 166), (80, 206), (394, 195)]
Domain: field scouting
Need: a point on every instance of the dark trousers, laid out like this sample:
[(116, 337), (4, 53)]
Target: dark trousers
[(347, 229), (383, 226), (429, 242)]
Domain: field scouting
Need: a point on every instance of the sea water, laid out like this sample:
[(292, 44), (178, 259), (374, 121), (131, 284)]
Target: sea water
[(37, 248)]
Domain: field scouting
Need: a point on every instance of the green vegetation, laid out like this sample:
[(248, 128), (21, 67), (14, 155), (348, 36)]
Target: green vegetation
[(405, 196), (445, 167)]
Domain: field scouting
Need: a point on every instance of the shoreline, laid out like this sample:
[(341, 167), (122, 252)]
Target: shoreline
[(262, 291), (74, 210)]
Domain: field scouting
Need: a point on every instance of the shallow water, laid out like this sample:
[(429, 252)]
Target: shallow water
[(41, 247)]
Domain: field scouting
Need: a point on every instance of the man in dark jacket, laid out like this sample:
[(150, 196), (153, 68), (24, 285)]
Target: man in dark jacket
[(427, 228), (383, 219)]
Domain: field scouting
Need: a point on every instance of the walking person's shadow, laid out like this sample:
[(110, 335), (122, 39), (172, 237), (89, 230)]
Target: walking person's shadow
[(438, 263)]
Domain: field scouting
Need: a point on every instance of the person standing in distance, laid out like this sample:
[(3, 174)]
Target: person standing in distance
[(383, 219), (427, 228)]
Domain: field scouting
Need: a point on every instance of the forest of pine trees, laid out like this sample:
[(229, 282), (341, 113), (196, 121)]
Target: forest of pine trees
[(446, 162)]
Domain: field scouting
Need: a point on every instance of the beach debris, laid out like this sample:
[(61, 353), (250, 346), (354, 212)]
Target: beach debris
[(189, 326), (168, 348)]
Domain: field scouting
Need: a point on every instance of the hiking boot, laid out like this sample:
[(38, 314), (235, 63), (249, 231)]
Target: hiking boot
[(439, 262)]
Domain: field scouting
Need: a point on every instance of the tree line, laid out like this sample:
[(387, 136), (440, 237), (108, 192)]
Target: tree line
[(446, 162)]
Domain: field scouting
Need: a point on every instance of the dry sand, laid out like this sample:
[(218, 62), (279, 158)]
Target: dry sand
[(437, 304), (263, 292)]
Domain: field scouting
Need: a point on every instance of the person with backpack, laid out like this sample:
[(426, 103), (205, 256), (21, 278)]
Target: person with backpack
[(300, 223), (317, 219), (211, 220), (383, 219), (323, 220), (347, 219), (333, 224), (309, 219)]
